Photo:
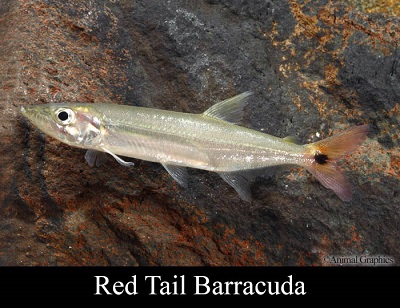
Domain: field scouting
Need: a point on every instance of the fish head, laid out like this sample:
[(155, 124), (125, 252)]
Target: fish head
[(75, 125)]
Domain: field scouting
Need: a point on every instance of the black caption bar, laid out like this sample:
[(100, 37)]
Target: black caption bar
[(202, 284)]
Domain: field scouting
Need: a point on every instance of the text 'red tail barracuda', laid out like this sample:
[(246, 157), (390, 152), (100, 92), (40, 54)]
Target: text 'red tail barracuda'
[(209, 141)]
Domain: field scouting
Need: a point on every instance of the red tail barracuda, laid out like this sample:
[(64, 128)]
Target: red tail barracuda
[(210, 141)]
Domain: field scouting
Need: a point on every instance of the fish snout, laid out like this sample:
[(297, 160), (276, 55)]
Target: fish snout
[(28, 111)]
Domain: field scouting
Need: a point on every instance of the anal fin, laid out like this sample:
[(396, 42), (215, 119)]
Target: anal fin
[(179, 174), (239, 183)]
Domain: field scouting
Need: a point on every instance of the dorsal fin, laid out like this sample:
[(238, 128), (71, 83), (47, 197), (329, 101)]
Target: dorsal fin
[(230, 110)]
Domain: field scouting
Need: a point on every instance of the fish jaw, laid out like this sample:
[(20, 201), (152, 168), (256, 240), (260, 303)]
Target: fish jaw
[(40, 116)]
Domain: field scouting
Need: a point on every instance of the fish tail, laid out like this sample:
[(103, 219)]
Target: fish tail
[(327, 152)]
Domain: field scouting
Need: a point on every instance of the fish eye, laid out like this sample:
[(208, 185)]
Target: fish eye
[(65, 116)]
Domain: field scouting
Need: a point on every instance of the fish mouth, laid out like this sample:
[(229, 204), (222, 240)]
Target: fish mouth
[(32, 113), (41, 117), (27, 112), (37, 116)]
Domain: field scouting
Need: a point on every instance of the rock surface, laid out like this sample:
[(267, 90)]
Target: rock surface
[(316, 68)]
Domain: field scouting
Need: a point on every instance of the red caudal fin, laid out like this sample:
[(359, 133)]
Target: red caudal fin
[(326, 152)]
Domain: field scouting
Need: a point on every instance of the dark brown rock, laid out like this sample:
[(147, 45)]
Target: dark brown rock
[(315, 67)]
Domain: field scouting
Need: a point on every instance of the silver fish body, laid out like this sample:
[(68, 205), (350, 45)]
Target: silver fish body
[(207, 141), (191, 140)]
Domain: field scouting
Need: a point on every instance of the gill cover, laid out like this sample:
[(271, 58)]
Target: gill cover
[(78, 125)]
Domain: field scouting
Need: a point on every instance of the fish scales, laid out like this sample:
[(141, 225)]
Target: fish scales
[(191, 140)]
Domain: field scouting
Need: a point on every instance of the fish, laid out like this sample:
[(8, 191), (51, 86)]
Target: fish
[(215, 140)]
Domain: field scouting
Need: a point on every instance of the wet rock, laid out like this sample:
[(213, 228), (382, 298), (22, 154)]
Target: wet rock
[(316, 68)]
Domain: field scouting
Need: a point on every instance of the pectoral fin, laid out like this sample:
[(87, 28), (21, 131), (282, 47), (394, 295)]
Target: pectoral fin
[(118, 159), (178, 173), (239, 183), (93, 157)]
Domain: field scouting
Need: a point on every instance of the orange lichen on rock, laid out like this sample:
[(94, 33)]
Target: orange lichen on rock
[(394, 169)]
